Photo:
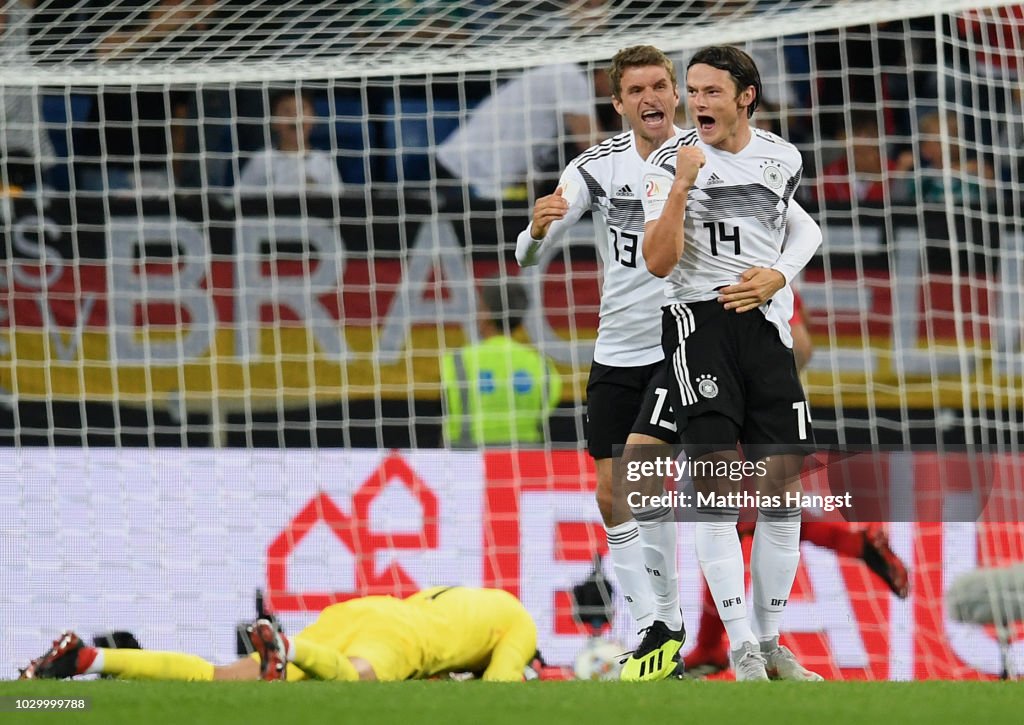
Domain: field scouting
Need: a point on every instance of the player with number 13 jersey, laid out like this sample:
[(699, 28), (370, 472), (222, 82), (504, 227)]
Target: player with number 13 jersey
[(605, 180), (627, 391)]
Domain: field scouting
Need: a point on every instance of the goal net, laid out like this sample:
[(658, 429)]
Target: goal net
[(220, 364)]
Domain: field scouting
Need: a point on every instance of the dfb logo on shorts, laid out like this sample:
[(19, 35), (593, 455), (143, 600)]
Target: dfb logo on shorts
[(707, 385)]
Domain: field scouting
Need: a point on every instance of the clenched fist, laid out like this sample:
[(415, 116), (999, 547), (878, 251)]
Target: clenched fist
[(689, 161), (546, 210)]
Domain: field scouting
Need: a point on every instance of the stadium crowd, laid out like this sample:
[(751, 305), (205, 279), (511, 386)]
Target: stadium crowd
[(854, 101)]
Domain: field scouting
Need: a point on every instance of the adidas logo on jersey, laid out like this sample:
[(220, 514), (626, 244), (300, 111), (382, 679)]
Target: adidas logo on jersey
[(624, 191), (713, 179)]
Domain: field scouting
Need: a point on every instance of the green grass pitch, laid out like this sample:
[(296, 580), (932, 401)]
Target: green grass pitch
[(409, 703)]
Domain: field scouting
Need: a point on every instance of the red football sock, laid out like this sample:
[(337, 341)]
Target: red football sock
[(838, 537), (86, 656)]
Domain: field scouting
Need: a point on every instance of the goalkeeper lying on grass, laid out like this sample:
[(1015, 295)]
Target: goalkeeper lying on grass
[(434, 632)]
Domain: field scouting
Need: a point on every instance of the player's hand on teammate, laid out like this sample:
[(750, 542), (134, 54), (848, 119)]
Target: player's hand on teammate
[(689, 161), (548, 209), (757, 285)]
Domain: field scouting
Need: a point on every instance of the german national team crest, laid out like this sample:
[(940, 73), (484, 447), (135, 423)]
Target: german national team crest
[(772, 175), (707, 385)]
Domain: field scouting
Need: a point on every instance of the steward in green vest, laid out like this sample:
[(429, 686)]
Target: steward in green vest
[(499, 391)]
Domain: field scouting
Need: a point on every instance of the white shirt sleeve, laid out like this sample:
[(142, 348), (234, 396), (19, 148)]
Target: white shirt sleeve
[(572, 87), (321, 170), (574, 191), (803, 237), (255, 174), (657, 182)]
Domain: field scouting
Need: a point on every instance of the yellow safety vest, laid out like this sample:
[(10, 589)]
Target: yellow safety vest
[(498, 392)]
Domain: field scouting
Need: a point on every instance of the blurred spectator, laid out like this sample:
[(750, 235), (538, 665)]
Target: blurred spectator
[(519, 131), (778, 96), (872, 176), (26, 147), (928, 184), (863, 67), (499, 391), (1011, 142), (416, 21), (547, 17), (988, 64), (149, 138), (289, 165), (997, 36)]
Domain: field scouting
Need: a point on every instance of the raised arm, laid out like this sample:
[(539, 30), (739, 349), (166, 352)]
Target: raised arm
[(552, 215), (665, 211)]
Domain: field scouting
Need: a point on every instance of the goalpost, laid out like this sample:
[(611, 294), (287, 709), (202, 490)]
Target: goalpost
[(207, 387)]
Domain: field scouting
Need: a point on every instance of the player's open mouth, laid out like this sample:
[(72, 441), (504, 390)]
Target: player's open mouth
[(652, 117), (706, 123)]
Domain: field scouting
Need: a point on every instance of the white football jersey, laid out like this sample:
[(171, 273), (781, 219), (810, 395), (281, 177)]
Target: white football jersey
[(735, 216), (606, 179)]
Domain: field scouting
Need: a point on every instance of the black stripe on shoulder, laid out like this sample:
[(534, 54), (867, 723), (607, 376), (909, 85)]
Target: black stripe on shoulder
[(667, 153), (620, 142), (604, 154), (595, 189)]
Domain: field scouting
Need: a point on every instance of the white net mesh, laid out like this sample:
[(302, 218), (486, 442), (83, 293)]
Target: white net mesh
[(256, 41), (167, 287)]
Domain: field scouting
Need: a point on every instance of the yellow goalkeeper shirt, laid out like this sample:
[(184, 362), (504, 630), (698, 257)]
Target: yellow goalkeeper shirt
[(433, 632)]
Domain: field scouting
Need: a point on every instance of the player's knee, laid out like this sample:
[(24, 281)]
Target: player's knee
[(781, 472), (606, 505), (610, 497)]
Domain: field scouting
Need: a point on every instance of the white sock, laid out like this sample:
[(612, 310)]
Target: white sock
[(627, 554), (96, 668), (721, 560), (658, 535), (773, 563)]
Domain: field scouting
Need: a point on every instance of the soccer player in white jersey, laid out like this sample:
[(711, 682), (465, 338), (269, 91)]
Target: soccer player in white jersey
[(624, 385), (722, 228)]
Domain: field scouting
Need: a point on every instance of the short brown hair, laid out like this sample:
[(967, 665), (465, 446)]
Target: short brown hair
[(736, 63), (636, 56)]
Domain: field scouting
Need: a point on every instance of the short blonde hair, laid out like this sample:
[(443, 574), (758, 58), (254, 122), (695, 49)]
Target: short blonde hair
[(636, 56)]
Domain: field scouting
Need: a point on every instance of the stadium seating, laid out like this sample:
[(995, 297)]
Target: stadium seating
[(411, 127), (61, 113), (355, 132)]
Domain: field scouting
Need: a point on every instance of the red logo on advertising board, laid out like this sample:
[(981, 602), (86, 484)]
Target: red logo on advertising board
[(354, 533)]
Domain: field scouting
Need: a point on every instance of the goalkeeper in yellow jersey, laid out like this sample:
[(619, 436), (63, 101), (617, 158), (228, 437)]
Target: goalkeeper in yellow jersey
[(486, 632)]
